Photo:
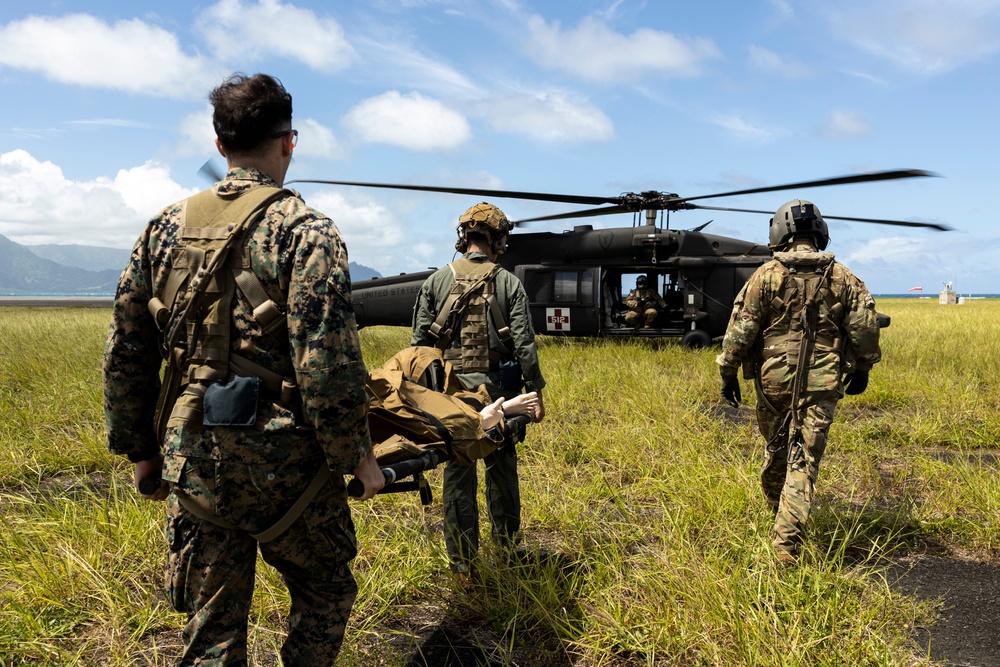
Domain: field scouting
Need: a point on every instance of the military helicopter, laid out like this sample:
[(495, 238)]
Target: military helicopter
[(576, 280)]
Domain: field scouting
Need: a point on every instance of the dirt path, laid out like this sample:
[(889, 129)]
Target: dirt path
[(968, 631)]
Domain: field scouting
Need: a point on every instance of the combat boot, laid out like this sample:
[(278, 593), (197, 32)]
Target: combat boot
[(785, 559)]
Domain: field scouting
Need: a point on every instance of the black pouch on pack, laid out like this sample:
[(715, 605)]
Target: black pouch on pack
[(510, 376), (232, 403)]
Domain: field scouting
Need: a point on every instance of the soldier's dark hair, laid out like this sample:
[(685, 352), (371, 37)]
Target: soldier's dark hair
[(249, 110)]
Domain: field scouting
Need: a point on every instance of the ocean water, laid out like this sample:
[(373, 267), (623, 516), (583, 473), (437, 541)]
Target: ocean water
[(928, 295)]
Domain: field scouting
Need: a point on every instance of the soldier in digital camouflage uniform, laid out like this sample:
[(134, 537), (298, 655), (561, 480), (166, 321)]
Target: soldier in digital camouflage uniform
[(644, 303), (799, 324), (481, 355), (245, 478)]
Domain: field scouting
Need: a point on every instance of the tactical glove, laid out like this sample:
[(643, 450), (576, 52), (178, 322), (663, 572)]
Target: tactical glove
[(857, 382), (731, 390)]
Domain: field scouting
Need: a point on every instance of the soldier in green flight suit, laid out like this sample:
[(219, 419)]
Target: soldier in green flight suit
[(477, 313), (245, 291), (805, 329)]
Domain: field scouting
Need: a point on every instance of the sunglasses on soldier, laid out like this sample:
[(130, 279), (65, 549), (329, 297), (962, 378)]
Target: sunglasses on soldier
[(281, 133)]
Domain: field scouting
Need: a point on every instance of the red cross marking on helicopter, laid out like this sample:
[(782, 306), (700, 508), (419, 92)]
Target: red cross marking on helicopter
[(556, 319)]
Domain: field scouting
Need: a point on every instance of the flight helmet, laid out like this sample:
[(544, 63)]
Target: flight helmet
[(798, 217)]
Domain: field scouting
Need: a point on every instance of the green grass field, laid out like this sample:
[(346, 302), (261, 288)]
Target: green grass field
[(645, 531)]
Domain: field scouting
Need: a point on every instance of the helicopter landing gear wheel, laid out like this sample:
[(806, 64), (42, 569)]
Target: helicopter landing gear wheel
[(696, 339)]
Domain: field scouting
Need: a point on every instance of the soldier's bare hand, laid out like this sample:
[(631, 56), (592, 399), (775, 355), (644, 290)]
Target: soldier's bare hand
[(370, 475)]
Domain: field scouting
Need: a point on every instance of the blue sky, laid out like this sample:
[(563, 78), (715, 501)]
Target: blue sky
[(105, 117)]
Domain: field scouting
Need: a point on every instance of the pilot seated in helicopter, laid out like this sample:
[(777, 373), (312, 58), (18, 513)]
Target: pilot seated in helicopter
[(644, 303)]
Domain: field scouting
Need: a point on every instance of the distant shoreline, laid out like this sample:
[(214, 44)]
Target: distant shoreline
[(59, 301), (106, 301)]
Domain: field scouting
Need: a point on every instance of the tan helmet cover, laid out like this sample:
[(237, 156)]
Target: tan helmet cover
[(486, 219)]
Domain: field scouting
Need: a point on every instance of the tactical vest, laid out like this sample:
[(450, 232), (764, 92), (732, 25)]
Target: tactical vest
[(806, 305), (194, 308), (470, 303)]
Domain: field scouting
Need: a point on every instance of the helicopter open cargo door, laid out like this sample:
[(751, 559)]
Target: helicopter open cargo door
[(563, 299)]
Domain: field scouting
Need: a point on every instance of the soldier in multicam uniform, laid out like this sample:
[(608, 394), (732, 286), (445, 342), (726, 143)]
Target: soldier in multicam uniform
[(489, 340), (644, 303), (799, 324), (235, 466)]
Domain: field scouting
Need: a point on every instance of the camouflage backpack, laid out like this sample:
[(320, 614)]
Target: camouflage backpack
[(194, 310)]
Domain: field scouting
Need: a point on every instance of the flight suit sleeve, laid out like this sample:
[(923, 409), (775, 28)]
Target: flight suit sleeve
[(861, 323), (658, 301), (523, 335), (325, 346), (744, 324), (131, 365), (424, 314)]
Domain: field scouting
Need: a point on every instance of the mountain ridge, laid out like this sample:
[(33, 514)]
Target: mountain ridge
[(29, 270)]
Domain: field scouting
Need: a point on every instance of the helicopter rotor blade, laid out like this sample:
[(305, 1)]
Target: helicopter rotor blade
[(586, 213), (898, 223), (839, 180), (479, 192), (877, 221), (210, 171), (632, 202)]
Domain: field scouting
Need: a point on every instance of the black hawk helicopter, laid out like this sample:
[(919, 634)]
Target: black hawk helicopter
[(576, 280)]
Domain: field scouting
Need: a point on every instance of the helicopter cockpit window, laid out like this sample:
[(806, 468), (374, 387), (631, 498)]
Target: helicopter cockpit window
[(564, 287)]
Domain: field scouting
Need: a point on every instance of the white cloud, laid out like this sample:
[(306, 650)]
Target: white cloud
[(611, 12), (237, 31), (38, 204), (130, 55), (595, 52), (894, 251), (197, 134), (783, 8), (412, 121), (146, 189), (375, 235), (894, 264), (392, 61), (865, 76), (316, 140), (925, 36), (742, 129), (844, 125), (548, 117), (769, 61)]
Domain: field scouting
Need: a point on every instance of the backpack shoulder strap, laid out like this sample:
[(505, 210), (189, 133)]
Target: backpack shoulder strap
[(220, 218), (469, 278)]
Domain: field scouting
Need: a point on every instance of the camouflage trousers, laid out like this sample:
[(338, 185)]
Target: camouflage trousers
[(788, 475), (210, 569), (648, 315), (461, 507)]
